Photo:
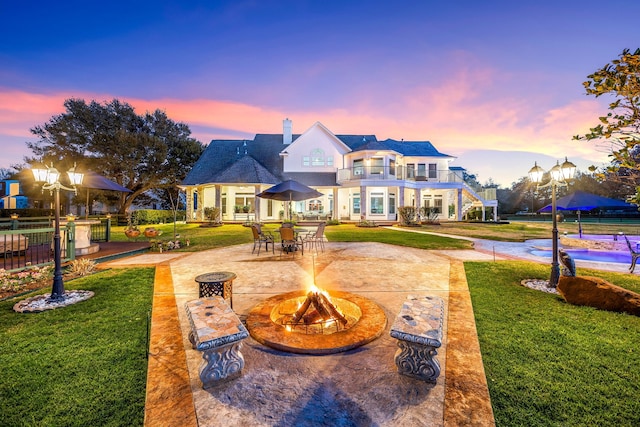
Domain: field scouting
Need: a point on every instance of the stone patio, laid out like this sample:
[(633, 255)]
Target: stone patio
[(359, 387)]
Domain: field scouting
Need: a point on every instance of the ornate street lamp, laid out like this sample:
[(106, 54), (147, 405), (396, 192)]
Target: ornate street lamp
[(50, 179), (559, 176)]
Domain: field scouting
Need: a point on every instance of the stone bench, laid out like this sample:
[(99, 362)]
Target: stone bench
[(418, 329), (218, 332)]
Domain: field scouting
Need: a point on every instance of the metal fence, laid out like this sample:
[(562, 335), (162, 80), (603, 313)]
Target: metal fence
[(29, 241)]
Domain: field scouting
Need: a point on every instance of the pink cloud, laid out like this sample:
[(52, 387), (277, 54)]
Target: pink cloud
[(462, 112)]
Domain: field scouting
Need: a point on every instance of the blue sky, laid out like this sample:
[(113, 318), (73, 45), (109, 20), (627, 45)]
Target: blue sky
[(496, 83)]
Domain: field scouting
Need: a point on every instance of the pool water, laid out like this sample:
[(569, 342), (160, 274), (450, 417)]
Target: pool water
[(588, 255)]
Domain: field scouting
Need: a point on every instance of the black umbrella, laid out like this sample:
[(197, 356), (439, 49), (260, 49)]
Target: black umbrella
[(98, 182), (94, 181), (289, 190), (583, 201)]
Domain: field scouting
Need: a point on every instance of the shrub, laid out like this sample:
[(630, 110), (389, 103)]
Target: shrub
[(82, 267), (14, 281), (408, 215), (156, 216)]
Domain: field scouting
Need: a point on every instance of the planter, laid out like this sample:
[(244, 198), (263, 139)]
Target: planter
[(132, 234), (151, 232)]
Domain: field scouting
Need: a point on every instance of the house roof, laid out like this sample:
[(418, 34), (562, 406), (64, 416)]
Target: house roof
[(247, 170), (413, 148), (258, 161), (313, 179)]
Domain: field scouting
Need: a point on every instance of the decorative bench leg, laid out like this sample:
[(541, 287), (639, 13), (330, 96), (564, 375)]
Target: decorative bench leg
[(417, 361), (221, 364)]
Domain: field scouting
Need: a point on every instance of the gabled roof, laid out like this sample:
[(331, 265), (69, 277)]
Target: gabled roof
[(413, 148), (356, 141), (220, 155), (247, 170)]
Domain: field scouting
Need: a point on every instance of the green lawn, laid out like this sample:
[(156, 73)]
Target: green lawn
[(83, 365), (549, 363), (202, 238)]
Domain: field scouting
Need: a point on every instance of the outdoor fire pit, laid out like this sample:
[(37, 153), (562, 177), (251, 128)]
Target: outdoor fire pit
[(316, 321)]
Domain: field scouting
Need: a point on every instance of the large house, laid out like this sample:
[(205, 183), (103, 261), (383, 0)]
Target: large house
[(359, 177)]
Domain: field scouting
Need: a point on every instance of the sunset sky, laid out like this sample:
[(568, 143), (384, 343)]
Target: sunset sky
[(496, 83)]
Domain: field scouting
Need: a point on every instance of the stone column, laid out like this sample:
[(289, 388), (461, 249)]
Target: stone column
[(189, 199), (256, 203), (363, 202)]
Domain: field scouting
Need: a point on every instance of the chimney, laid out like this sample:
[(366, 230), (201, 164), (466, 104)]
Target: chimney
[(287, 135)]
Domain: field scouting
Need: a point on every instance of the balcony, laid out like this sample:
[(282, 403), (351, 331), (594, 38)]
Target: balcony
[(393, 173)]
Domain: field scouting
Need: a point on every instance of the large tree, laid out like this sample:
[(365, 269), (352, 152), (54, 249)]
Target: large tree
[(620, 127), (139, 152)]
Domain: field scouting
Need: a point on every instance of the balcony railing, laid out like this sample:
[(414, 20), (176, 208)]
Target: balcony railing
[(395, 173)]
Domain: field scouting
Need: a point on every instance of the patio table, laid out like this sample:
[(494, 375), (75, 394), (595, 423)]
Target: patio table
[(217, 283)]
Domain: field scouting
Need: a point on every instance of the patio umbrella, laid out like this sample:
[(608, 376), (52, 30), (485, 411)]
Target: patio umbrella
[(95, 181), (289, 190), (583, 201)]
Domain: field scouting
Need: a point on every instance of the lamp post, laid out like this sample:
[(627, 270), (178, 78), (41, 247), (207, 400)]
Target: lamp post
[(50, 179), (559, 176)]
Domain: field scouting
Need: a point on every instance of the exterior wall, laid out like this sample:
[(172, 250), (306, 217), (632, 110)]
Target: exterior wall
[(316, 138)]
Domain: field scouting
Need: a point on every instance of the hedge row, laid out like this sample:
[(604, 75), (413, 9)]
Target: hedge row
[(155, 216)]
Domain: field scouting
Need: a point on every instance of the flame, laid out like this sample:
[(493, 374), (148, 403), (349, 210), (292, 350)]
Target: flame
[(287, 328)]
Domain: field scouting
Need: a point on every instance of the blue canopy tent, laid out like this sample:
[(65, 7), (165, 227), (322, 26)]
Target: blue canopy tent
[(583, 201)]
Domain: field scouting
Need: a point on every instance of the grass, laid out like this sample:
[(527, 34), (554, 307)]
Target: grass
[(549, 363), (523, 230), (82, 365), (203, 238)]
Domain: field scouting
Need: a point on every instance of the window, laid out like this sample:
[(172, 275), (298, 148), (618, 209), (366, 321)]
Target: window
[(269, 207), (315, 205), (392, 203), (377, 165), (244, 202), (437, 204), (224, 203), (422, 170), (358, 167), (411, 170), (377, 203), (392, 167), (356, 203), (433, 170), (317, 157)]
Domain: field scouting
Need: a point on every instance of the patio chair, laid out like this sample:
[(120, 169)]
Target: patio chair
[(635, 254), (316, 238), (290, 242), (260, 237)]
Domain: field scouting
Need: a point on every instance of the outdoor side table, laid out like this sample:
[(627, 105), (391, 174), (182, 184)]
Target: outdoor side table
[(218, 283)]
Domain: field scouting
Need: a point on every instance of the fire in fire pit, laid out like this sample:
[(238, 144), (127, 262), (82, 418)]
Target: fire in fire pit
[(316, 322), (316, 313)]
